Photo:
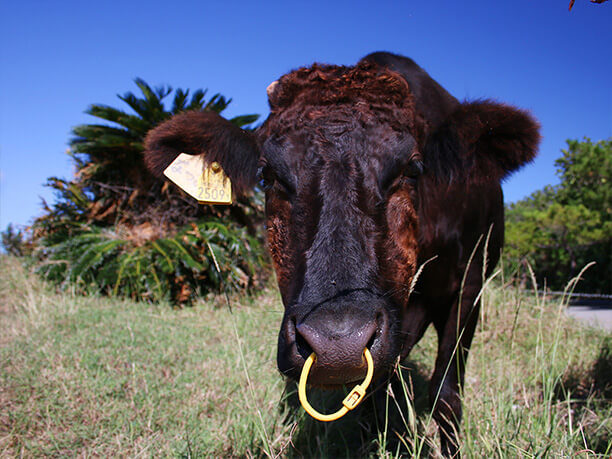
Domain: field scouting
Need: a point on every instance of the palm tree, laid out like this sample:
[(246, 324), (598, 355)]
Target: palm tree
[(110, 165), (113, 215)]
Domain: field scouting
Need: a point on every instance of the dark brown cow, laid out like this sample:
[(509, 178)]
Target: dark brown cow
[(370, 172)]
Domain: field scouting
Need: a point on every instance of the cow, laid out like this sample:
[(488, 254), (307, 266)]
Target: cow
[(372, 174)]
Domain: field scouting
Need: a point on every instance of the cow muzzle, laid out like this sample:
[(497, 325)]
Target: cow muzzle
[(337, 335)]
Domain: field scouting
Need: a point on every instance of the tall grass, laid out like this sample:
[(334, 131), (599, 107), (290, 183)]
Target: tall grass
[(522, 396), (84, 376)]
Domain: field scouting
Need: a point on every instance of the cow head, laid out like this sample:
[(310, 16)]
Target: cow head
[(339, 159)]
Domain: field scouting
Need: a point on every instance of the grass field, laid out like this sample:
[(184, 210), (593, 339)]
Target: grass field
[(105, 377)]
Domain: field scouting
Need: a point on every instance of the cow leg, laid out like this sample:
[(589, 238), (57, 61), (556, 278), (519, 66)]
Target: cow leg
[(414, 323), (455, 332)]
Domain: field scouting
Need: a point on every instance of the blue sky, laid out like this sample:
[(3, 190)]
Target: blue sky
[(57, 58)]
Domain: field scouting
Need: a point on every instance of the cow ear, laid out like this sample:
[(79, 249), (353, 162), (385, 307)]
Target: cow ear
[(209, 135), (495, 138)]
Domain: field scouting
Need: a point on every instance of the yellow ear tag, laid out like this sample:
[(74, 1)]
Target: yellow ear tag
[(208, 185)]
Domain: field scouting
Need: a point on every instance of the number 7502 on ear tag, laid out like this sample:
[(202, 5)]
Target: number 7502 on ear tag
[(209, 185)]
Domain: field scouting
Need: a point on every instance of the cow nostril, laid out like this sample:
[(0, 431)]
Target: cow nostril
[(378, 330), (380, 320), (303, 348), (372, 339)]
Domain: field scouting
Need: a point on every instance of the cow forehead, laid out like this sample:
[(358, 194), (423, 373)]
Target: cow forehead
[(329, 85), (327, 100)]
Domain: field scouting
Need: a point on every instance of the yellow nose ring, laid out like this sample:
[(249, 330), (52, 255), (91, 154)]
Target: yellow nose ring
[(350, 401)]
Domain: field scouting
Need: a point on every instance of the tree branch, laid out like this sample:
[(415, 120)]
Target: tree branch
[(571, 4)]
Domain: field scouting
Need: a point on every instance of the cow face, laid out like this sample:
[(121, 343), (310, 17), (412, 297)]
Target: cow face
[(339, 161)]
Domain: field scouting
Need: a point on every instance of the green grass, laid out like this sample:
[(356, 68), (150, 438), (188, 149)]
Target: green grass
[(86, 376)]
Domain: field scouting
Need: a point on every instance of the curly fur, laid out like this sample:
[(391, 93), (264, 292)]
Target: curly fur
[(328, 97)]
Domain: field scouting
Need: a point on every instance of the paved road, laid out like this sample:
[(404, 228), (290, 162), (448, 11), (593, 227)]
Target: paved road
[(598, 313)]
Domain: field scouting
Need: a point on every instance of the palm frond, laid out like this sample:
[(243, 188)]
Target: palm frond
[(244, 120), (197, 100), (99, 260), (217, 103), (133, 123), (180, 101)]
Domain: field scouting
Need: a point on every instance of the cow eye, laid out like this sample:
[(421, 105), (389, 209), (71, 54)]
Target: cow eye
[(266, 178), (401, 176), (411, 173), (414, 169), (407, 173)]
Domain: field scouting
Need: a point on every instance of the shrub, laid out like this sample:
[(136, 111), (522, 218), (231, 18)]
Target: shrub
[(116, 229)]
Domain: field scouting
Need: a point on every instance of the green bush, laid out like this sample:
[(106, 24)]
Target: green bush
[(562, 228), (115, 228), (198, 258)]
